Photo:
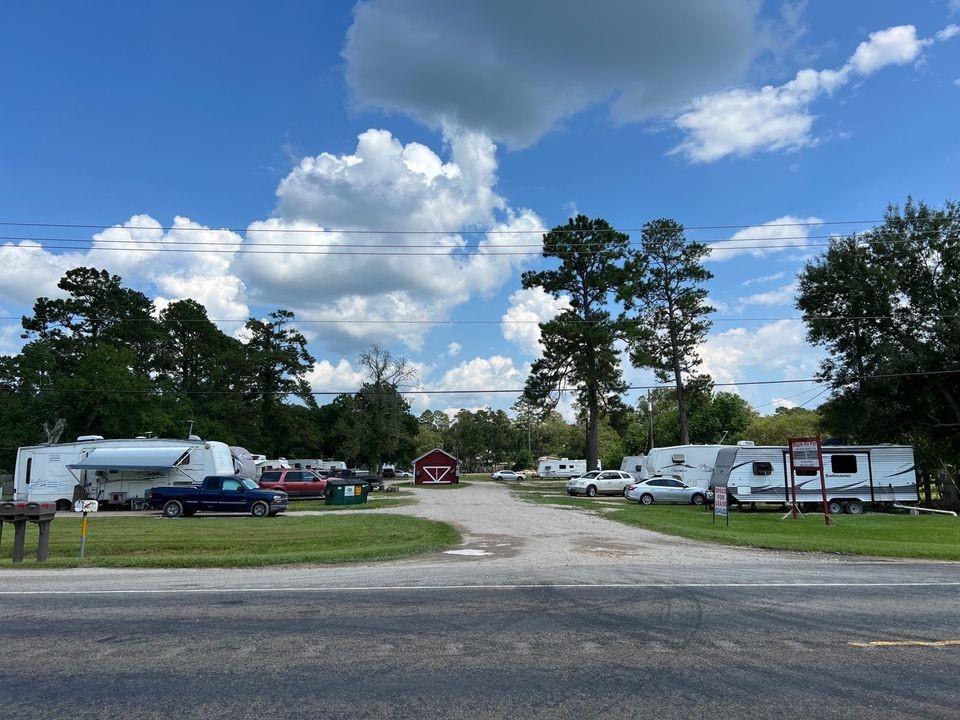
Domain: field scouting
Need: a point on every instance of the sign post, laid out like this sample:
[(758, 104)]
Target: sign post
[(84, 506), (720, 504), (807, 454)]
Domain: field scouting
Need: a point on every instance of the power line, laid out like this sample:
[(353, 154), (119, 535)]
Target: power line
[(361, 231), (368, 321), (713, 243), (492, 391)]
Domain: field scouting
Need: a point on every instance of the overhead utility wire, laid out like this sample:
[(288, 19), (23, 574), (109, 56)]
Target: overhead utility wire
[(491, 391), (713, 243), (359, 231), (368, 321)]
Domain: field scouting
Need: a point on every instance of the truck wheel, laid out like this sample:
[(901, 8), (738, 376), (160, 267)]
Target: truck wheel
[(854, 507), (835, 507), (592, 491), (646, 499), (697, 499), (173, 509), (260, 509)]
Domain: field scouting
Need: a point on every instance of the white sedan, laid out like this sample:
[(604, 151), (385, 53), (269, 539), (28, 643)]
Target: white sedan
[(506, 475), (600, 482), (667, 490)]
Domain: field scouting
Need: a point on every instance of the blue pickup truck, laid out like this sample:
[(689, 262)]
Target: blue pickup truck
[(217, 494)]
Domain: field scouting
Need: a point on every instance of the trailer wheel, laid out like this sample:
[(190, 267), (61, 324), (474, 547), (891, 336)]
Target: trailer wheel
[(854, 507), (260, 509), (173, 509), (646, 499), (591, 491), (835, 507)]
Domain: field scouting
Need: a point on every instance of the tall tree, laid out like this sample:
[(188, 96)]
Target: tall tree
[(279, 361), (666, 307), (579, 345), (887, 302)]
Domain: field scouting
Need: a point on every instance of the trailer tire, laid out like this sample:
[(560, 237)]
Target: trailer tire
[(173, 509), (260, 509), (835, 507), (698, 499), (854, 507), (646, 499)]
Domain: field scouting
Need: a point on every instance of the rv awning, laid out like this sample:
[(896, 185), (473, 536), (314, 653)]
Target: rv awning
[(156, 458)]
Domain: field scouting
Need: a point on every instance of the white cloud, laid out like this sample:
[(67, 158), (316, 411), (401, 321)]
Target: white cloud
[(783, 403), (780, 233), (327, 377), (741, 121), (496, 372), (10, 341), (453, 349), (513, 71), (950, 31), (528, 308), (781, 296), (763, 279), (776, 350)]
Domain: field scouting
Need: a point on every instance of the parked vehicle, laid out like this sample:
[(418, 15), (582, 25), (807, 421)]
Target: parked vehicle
[(404, 474), (217, 494), (506, 475), (295, 483), (667, 490), (551, 467), (375, 481), (600, 482), (118, 472)]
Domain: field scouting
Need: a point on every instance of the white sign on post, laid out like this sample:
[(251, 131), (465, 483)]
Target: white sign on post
[(85, 506), (805, 454)]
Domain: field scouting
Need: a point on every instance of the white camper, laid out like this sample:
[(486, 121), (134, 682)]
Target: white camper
[(551, 467), (853, 474), (115, 472), (693, 464)]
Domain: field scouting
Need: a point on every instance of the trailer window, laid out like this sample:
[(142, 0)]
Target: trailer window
[(762, 468), (29, 468), (843, 463)]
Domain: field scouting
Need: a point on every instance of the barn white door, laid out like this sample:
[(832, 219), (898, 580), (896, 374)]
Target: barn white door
[(436, 473)]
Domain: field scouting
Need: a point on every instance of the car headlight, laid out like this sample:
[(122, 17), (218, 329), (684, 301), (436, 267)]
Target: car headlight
[(277, 498)]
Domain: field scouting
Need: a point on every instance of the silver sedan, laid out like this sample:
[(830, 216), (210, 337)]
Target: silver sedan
[(666, 490)]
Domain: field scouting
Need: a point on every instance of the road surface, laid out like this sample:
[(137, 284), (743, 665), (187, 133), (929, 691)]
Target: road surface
[(566, 615)]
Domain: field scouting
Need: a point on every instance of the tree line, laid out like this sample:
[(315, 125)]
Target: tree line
[(885, 304)]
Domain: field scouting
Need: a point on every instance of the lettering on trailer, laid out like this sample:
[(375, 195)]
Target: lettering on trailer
[(85, 506)]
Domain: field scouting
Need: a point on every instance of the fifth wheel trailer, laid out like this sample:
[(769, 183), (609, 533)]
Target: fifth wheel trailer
[(117, 472)]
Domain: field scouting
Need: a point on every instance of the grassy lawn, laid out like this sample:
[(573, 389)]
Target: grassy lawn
[(933, 537), (235, 541), (375, 501)]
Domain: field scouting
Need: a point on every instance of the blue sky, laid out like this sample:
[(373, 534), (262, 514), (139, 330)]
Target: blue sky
[(470, 118)]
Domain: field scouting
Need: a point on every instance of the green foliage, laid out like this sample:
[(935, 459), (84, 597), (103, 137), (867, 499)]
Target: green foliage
[(785, 423), (712, 416), (666, 309), (579, 353), (898, 288)]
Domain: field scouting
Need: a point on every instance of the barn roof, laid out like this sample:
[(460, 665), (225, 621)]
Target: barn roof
[(441, 450)]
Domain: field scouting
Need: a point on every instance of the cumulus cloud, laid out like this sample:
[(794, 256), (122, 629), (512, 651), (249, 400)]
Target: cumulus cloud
[(763, 279), (783, 295), (453, 349), (778, 117), (776, 350), (327, 377), (528, 308), (513, 71), (780, 234), (497, 372)]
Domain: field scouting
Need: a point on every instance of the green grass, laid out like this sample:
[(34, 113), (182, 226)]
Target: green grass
[(376, 501), (154, 542), (934, 537)]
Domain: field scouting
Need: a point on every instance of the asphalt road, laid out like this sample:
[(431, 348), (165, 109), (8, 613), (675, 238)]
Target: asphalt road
[(551, 652), (556, 614)]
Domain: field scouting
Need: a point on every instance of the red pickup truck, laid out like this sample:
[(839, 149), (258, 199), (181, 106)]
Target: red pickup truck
[(295, 483)]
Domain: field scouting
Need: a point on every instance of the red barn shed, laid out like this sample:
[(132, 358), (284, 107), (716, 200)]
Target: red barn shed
[(436, 466)]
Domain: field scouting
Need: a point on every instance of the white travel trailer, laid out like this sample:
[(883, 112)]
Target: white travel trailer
[(854, 474), (693, 464), (115, 472), (551, 467)]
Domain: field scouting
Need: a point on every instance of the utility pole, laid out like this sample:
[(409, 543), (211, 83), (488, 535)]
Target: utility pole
[(650, 415)]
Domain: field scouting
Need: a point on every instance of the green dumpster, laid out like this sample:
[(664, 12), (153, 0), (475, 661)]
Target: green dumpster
[(346, 492)]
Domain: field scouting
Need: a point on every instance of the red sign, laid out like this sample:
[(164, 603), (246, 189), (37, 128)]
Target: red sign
[(720, 504), (806, 453)]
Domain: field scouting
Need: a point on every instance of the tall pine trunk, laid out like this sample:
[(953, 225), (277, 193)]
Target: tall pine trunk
[(593, 429), (681, 405)]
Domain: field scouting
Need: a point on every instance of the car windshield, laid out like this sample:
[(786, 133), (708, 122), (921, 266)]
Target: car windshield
[(248, 483), (591, 474)]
